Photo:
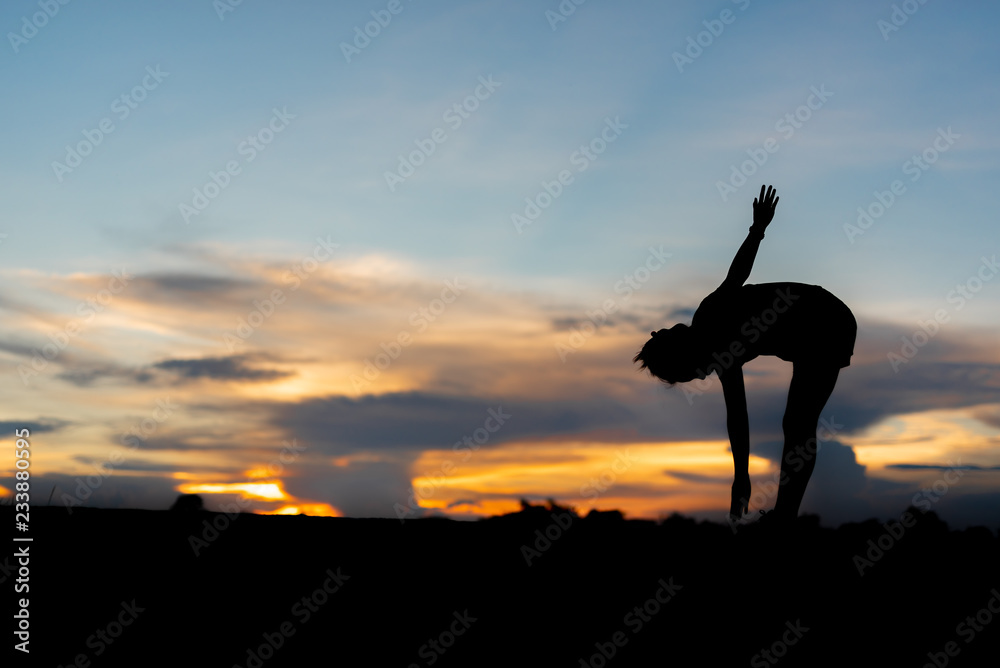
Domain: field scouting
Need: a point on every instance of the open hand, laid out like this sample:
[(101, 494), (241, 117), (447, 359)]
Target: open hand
[(763, 207)]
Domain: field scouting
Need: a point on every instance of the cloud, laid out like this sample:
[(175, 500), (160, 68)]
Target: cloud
[(416, 421), (489, 350), (682, 313), (37, 426), (599, 319), (219, 368), (191, 289), (205, 440), (941, 467), (873, 392), (990, 417), (700, 479), (19, 349), (131, 464), (236, 368), (360, 489), (86, 375), (837, 487), (114, 491)]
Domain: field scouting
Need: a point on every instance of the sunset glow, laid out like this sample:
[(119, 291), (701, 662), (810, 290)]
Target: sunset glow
[(264, 491), (315, 509), (351, 321)]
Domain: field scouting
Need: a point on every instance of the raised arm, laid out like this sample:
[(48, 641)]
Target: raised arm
[(763, 212), (738, 426)]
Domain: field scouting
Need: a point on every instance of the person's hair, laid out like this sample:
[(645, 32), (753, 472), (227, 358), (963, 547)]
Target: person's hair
[(670, 354)]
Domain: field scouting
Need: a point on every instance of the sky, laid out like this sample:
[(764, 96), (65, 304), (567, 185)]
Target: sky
[(394, 258)]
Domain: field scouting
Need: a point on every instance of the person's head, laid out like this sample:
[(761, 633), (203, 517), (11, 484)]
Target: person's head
[(673, 355)]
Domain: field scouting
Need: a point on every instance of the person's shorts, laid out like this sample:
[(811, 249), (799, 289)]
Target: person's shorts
[(825, 330), (835, 333)]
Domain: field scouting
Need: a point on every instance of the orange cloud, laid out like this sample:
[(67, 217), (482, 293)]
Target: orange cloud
[(265, 491)]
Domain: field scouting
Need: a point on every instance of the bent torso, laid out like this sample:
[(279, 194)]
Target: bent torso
[(792, 321)]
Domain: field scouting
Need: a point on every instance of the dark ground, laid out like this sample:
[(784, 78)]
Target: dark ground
[(467, 587)]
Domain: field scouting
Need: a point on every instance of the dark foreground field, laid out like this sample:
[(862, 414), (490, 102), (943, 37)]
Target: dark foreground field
[(125, 587)]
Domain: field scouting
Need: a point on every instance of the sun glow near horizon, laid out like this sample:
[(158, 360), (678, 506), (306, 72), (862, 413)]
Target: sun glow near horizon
[(270, 491), (634, 477)]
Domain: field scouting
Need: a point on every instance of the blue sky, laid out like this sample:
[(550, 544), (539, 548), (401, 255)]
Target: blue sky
[(889, 95)]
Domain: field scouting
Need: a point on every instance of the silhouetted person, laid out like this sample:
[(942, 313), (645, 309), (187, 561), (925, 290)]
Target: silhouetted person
[(799, 323)]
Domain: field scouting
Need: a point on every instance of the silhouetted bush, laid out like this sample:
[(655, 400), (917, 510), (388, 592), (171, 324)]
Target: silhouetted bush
[(188, 503)]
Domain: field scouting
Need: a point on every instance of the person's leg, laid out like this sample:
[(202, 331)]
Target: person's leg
[(810, 388)]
